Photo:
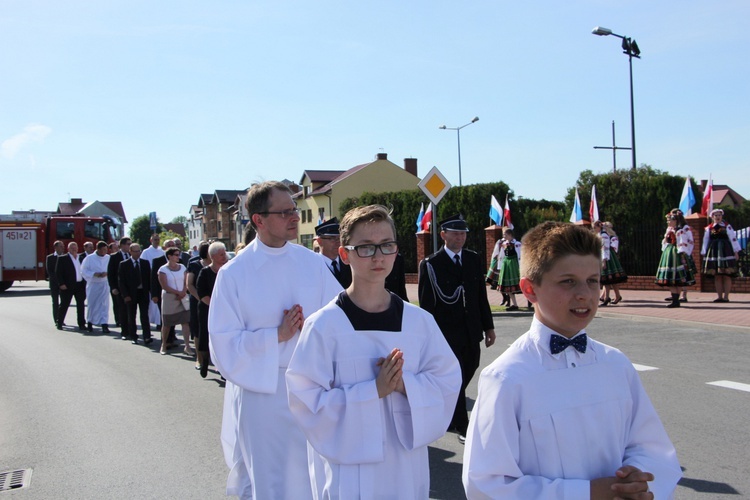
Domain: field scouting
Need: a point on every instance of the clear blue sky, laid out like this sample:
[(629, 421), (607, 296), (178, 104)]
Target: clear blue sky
[(151, 103)]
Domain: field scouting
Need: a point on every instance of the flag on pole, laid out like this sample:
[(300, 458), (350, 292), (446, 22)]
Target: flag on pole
[(427, 219), (688, 198), (708, 201), (420, 217), (506, 215), (593, 206), (577, 214), (496, 211)]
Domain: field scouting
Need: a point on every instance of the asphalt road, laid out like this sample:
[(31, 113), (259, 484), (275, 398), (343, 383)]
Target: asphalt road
[(97, 417)]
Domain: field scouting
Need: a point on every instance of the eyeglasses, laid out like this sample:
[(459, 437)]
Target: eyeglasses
[(387, 248), (283, 213)]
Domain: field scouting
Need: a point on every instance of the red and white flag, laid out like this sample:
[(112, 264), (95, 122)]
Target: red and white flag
[(506, 215), (593, 206), (708, 201), (427, 219)]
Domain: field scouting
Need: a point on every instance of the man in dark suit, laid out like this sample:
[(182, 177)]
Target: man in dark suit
[(327, 236), (452, 288), (121, 311), (134, 276), (70, 279), (54, 287), (396, 280)]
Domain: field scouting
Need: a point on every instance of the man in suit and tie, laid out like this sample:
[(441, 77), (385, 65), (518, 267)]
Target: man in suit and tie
[(54, 287), (121, 311), (327, 236), (452, 288), (70, 279), (134, 277)]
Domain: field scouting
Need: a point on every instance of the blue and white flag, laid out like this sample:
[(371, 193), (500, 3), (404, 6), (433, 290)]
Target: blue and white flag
[(577, 214), (687, 201), (420, 217), (496, 211)]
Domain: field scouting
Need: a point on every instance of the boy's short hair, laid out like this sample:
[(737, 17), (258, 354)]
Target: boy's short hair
[(366, 214), (546, 243)]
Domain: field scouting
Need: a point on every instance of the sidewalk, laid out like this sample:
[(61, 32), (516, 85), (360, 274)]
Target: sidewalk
[(650, 305)]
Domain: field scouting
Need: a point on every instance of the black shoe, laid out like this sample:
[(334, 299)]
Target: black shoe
[(105, 328), (511, 308), (134, 341), (59, 327), (204, 369), (89, 327), (462, 439), (684, 299), (82, 328), (669, 299), (148, 341)]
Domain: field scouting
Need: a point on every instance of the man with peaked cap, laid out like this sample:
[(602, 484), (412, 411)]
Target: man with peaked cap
[(327, 236), (452, 288)]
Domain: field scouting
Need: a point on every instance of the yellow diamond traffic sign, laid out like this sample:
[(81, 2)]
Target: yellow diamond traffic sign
[(434, 185)]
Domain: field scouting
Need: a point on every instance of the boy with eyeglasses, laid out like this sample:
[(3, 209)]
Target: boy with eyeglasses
[(372, 381)]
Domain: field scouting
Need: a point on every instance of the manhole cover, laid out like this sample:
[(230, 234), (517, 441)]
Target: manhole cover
[(15, 479)]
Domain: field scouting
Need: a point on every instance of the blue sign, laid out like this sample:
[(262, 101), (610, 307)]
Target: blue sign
[(152, 218)]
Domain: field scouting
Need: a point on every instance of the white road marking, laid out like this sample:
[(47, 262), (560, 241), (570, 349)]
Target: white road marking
[(644, 368), (731, 385)]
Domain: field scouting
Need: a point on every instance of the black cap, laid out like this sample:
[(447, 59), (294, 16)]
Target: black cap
[(454, 223), (328, 228)]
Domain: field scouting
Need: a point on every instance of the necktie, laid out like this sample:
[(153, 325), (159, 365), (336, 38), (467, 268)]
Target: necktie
[(138, 273), (457, 260), (558, 343), (335, 266)]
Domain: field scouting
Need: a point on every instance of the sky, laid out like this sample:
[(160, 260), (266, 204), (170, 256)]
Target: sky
[(152, 103)]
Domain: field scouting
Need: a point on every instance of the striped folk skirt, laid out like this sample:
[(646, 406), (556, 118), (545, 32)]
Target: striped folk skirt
[(612, 272), (510, 275), (720, 258), (492, 274), (674, 269)]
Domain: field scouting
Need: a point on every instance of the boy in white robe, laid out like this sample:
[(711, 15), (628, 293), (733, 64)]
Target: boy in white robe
[(560, 415), (94, 271), (257, 309), (372, 381)]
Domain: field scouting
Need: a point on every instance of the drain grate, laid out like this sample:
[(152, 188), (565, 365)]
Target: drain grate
[(15, 479)]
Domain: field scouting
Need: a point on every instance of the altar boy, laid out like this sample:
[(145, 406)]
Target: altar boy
[(372, 380), (560, 415)]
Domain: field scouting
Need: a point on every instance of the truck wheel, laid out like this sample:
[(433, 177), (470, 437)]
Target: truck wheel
[(4, 285)]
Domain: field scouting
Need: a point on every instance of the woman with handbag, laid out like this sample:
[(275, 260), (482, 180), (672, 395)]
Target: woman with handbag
[(175, 307)]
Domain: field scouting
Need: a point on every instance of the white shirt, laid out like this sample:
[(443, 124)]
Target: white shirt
[(544, 425), (151, 253)]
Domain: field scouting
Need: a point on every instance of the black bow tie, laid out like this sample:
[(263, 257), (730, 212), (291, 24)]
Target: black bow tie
[(558, 343)]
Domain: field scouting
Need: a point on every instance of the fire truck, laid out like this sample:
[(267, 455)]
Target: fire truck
[(26, 240)]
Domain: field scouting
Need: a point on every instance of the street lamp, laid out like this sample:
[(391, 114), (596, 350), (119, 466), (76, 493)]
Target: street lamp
[(630, 48), (458, 136)]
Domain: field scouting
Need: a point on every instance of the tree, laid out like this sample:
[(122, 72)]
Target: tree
[(180, 219), (140, 230)]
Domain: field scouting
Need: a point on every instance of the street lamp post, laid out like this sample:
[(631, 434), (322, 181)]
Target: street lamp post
[(630, 48), (458, 136)]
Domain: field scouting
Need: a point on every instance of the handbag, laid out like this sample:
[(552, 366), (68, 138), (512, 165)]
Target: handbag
[(185, 301)]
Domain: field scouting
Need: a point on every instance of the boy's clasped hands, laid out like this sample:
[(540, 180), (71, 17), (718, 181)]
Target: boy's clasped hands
[(629, 483), (391, 373)]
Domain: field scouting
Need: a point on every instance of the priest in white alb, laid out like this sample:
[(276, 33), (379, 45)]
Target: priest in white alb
[(258, 306), (94, 271)]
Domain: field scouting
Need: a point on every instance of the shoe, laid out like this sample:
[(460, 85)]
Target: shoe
[(89, 327), (617, 300), (59, 327), (719, 300), (134, 341), (606, 302), (83, 328), (105, 328), (669, 299), (204, 369), (123, 337), (684, 299), (461, 438), (162, 352), (158, 327), (188, 351), (511, 308), (148, 341), (673, 304)]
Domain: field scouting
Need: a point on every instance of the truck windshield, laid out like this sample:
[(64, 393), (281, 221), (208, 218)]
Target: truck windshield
[(95, 230)]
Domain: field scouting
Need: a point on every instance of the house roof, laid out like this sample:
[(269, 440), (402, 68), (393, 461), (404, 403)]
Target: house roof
[(320, 175), (205, 199), (721, 192), (76, 206), (340, 177), (226, 195), (176, 228)]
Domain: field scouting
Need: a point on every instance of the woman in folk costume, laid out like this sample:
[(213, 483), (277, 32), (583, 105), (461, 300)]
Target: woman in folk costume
[(674, 270), (612, 274), (721, 254), (509, 274), (685, 245), (493, 272)]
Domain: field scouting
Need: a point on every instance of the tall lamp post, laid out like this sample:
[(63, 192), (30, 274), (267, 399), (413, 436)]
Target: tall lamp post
[(630, 48), (458, 136)]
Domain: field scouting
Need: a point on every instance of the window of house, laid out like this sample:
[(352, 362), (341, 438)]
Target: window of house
[(309, 215), (307, 240)]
